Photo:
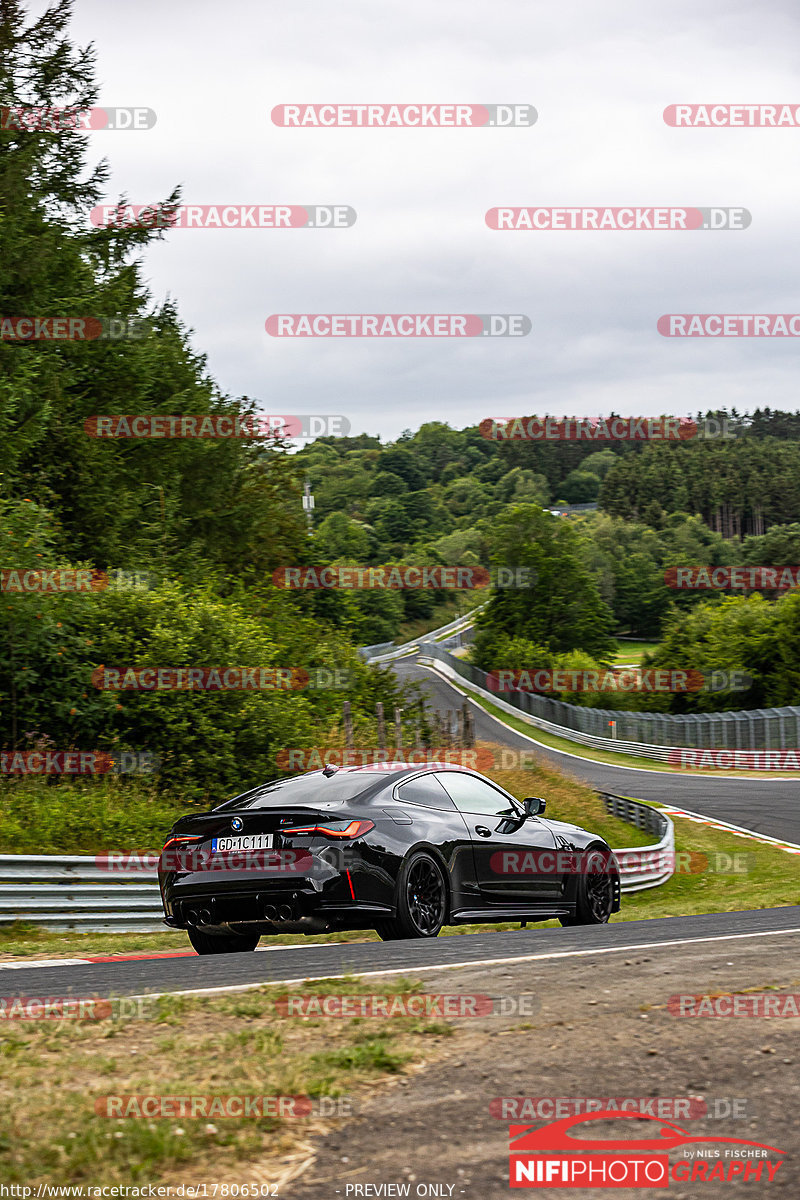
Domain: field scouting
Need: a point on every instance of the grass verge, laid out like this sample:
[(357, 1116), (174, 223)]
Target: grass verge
[(83, 816), (632, 651), (55, 1072)]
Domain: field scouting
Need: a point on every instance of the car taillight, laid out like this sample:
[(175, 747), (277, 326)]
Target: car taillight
[(172, 857), (181, 840), (354, 829)]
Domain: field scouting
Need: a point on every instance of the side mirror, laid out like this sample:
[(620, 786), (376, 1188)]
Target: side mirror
[(534, 806)]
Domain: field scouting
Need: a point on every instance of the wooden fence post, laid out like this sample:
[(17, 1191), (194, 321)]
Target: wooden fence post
[(469, 728)]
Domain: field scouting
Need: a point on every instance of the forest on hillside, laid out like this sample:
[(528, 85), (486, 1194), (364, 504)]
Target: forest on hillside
[(207, 521)]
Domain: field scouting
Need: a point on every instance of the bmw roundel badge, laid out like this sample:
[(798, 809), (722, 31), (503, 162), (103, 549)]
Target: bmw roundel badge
[(237, 823)]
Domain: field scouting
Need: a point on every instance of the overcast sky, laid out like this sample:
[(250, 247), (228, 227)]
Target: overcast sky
[(599, 76)]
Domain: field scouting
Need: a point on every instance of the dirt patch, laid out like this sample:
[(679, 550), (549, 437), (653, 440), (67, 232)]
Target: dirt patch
[(603, 1029)]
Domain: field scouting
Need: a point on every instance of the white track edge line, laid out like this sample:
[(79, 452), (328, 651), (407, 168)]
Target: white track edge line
[(483, 962)]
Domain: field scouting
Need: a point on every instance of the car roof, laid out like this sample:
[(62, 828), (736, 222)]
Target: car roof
[(373, 775), (398, 768)]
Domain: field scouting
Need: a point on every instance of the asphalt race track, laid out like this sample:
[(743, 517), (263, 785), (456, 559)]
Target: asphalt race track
[(549, 946), (767, 806)]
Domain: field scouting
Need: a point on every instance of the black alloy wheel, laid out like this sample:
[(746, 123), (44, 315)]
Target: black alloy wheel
[(595, 892), (421, 901)]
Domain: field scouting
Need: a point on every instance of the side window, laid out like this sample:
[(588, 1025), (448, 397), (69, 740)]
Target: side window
[(425, 790), (473, 795)]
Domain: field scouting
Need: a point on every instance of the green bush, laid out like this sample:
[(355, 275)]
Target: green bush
[(210, 743)]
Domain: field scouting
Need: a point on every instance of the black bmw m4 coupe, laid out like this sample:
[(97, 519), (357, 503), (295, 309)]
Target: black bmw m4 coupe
[(402, 850)]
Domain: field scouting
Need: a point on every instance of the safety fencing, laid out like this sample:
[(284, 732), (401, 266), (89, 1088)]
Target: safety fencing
[(646, 735)]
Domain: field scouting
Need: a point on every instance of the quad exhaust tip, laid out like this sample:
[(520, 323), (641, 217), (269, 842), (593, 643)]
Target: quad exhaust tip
[(281, 912), (201, 916), (277, 913)]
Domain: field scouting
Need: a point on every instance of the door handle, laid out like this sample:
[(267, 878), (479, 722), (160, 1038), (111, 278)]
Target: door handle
[(483, 831)]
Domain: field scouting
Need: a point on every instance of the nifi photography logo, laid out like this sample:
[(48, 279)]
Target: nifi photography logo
[(551, 1157)]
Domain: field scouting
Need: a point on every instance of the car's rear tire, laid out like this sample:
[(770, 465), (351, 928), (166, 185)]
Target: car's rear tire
[(222, 943), (421, 900), (595, 893)]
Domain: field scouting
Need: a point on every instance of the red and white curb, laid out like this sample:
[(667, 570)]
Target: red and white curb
[(725, 827), (25, 964)]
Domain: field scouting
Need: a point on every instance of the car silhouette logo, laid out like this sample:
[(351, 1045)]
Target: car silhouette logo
[(237, 823), (556, 1136)]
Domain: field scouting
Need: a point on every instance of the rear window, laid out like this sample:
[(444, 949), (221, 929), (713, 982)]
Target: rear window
[(304, 789)]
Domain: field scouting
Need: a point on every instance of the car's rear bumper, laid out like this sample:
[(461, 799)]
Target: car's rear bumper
[(288, 908)]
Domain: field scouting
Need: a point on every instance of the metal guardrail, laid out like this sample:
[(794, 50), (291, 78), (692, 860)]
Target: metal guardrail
[(370, 652), (642, 867), (433, 635), (71, 892)]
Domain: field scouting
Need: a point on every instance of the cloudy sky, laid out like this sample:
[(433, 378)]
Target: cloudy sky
[(599, 76)]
